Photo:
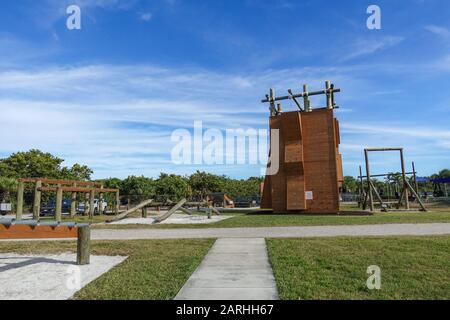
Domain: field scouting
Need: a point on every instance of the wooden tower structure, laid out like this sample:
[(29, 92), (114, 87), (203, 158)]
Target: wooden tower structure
[(309, 173)]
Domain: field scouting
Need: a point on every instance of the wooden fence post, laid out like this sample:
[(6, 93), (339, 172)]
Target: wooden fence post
[(84, 245)]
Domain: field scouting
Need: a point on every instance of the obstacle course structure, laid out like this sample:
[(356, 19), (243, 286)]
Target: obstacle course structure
[(369, 190), (90, 189), (310, 166)]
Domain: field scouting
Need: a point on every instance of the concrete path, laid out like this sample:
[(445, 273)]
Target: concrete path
[(234, 269), (275, 232)]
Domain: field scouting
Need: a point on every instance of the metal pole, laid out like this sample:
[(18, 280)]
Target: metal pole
[(405, 185), (366, 155), (300, 95)]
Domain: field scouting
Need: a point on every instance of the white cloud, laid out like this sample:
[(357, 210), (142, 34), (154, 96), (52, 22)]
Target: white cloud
[(370, 46), (147, 16), (437, 30)]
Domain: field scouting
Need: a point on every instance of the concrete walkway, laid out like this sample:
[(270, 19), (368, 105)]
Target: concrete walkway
[(275, 232), (234, 269)]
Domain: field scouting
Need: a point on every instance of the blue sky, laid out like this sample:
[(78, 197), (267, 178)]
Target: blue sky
[(110, 95)]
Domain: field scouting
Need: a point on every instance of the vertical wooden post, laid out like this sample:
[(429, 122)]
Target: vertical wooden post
[(361, 187), (144, 212), (100, 201), (86, 204), (84, 245), (91, 205), (366, 155), (329, 100), (58, 205), (37, 200), (405, 185), (416, 185), (117, 202), (306, 101), (19, 209), (73, 203)]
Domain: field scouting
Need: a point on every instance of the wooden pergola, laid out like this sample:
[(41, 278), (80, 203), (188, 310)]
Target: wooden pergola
[(90, 189)]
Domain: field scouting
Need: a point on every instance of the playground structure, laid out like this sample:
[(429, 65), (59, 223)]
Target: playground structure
[(89, 189), (310, 166), (182, 206), (368, 190), (33, 229)]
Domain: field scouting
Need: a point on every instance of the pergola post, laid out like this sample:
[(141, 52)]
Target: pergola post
[(117, 202), (366, 155), (86, 204), (91, 204), (58, 207), (37, 200), (19, 209), (73, 203), (100, 202)]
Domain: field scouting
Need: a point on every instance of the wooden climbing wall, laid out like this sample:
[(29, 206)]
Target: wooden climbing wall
[(310, 166)]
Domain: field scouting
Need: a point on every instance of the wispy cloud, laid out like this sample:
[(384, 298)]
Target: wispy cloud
[(370, 46), (437, 30)]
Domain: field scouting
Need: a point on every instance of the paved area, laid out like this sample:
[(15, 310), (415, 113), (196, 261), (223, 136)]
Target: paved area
[(48, 277), (275, 232), (174, 219), (234, 269)]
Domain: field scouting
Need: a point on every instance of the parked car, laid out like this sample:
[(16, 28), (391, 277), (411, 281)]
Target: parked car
[(5, 208), (49, 208)]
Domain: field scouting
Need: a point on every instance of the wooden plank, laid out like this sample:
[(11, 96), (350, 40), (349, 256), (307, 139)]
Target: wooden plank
[(139, 206), (37, 232)]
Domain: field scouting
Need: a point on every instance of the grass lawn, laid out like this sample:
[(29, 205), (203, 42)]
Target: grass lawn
[(155, 269), (335, 268), (283, 220)]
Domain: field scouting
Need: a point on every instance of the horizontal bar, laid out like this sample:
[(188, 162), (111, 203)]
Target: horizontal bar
[(37, 232), (62, 182), (303, 94), (386, 174), (37, 223), (76, 189), (384, 149)]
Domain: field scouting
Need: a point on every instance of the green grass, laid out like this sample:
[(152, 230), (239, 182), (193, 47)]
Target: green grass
[(283, 220), (335, 268), (154, 270)]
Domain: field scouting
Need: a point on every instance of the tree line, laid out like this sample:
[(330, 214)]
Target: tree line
[(37, 164)]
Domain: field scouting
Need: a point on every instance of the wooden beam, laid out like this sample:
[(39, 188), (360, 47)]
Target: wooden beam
[(73, 203), (19, 231), (61, 182), (78, 189)]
